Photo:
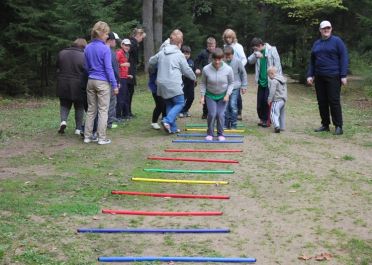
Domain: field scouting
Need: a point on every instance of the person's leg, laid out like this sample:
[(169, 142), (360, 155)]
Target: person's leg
[(275, 112), (322, 97), (92, 108), (233, 102), (260, 94), (239, 105), (103, 99), (177, 105), (157, 109), (220, 116), (189, 98), (265, 106), (127, 99), (112, 109), (205, 111), (212, 113), (282, 115), (334, 89), (130, 98), (79, 114), (65, 107), (228, 115), (120, 101)]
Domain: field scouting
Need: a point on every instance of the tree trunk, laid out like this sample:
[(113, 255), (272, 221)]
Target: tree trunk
[(158, 23), (147, 18)]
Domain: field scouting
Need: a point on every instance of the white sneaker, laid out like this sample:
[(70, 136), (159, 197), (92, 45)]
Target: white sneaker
[(155, 126), (181, 115), (104, 141), (77, 132), (87, 140), (62, 127)]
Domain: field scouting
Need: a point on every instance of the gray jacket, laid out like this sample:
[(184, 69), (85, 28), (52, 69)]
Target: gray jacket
[(273, 59), (217, 81), (240, 75), (278, 88), (172, 65)]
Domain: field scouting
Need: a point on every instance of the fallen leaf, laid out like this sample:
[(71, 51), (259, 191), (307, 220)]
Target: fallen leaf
[(304, 257), (110, 174), (323, 256), (95, 218)]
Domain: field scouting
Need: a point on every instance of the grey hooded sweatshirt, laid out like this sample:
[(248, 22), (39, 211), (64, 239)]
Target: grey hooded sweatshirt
[(278, 88), (172, 65)]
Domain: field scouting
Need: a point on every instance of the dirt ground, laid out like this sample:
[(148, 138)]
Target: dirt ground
[(292, 193)]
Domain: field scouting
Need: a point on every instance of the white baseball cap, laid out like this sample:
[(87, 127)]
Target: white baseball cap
[(126, 42), (325, 24)]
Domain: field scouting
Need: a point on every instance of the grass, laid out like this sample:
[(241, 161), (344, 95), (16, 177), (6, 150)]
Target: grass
[(287, 188)]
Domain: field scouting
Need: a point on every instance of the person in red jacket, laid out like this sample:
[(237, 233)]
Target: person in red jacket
[(123, 98)]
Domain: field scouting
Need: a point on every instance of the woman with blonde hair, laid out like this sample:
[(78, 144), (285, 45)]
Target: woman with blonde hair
[(101, 79), (229, 38)]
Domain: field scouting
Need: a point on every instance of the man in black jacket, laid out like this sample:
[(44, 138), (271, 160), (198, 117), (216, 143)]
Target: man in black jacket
[(136, 38), (204, 58)]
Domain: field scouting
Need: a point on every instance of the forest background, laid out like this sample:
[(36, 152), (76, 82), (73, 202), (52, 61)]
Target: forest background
[(34, 31)]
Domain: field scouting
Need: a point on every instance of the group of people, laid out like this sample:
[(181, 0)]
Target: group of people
[(110, 77), (99, 79)]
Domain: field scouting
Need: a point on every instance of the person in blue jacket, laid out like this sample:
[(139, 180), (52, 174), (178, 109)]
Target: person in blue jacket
[(328, 69)]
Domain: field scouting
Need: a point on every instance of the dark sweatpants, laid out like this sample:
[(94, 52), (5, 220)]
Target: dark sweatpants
[(263, 108), (328, 90)]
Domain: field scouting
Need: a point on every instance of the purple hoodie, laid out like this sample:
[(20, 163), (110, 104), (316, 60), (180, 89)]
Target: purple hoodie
[(98, 62)]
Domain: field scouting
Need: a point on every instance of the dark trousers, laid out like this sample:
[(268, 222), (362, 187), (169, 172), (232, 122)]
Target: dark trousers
[(328, 90), (240, 104), (263, 108), (122, 107), (189, 95), (131, 93), (159, 108), (65, 107)]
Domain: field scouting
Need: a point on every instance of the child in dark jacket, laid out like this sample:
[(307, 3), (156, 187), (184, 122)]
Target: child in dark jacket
[(188, 84)]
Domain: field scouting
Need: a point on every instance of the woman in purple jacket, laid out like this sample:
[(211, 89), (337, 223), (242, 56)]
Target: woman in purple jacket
[(101, 77)]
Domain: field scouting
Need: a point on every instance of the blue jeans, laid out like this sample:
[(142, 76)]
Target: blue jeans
[(231, 114), (173, 108)]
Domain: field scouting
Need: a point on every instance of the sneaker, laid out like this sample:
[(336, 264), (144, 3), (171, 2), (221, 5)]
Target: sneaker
[(181, 115), (277, 130), (91, 139), (78, 132), (104, 141), (62, 127), (87, 140), (166, 127), (239, 118), (155, 126), (209, 138), (221, 138), (187, 114)]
